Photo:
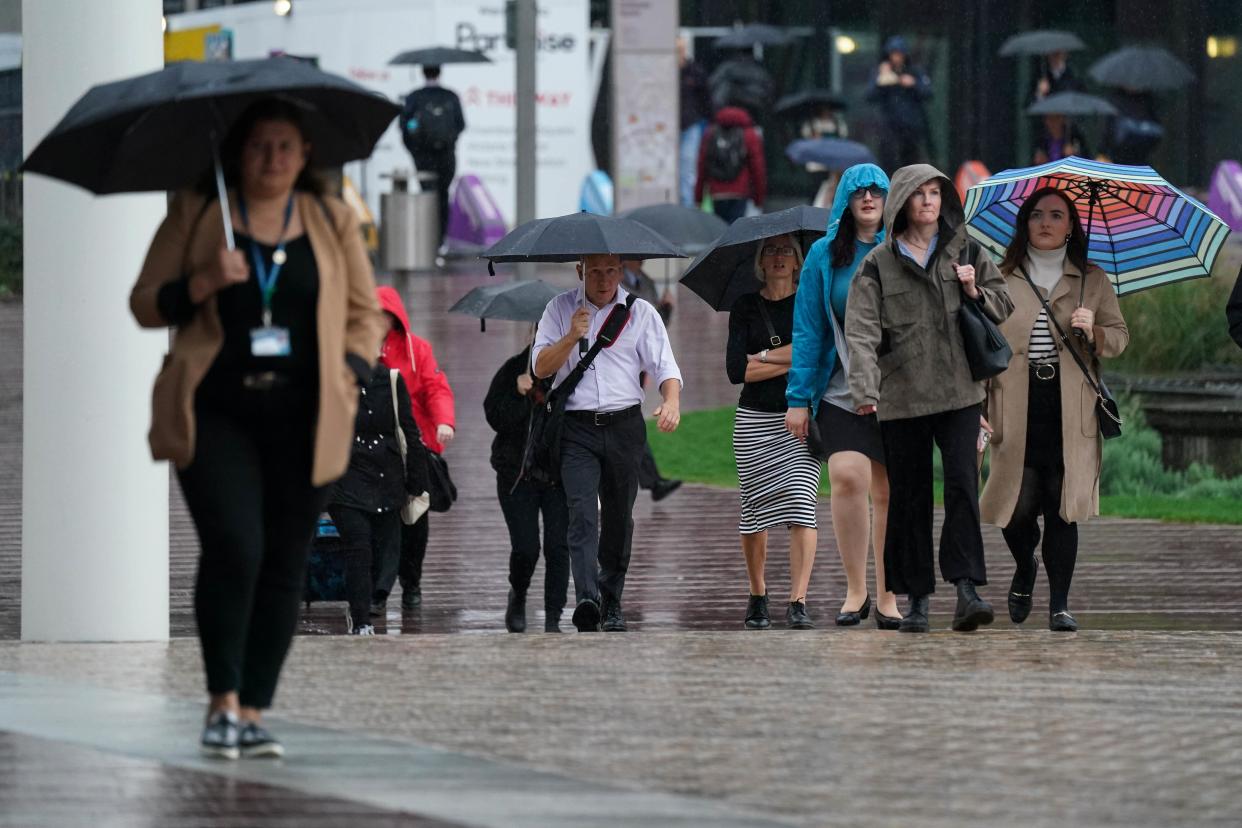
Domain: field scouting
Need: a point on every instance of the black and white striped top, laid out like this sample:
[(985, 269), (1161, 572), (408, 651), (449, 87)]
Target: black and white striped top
[(1042, 347)]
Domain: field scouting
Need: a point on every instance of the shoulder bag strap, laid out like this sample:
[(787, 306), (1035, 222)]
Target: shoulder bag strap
[(575, 376), (1061, 334), (396, 414), (773, 340)]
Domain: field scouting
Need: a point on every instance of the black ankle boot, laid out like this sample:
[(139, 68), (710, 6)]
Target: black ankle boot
[(972, 611), (515, 612), (757, 613), (915, 619)]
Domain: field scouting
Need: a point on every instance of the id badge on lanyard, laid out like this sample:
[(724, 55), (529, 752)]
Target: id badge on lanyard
[(268, 340)]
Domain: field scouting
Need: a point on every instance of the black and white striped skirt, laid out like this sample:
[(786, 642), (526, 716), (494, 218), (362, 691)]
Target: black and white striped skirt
[(778, 478)]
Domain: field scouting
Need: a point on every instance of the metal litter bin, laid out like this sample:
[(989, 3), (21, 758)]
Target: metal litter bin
[(409, 225)]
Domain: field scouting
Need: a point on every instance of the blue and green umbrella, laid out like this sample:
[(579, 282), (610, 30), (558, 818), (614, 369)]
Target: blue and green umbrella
[(1142, 231)]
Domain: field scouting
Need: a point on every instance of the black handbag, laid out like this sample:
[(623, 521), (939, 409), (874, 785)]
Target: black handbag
[(439, 484), (541, 457), (987, 352), (1107, 413)]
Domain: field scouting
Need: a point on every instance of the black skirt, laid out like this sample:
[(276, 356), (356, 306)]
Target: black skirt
[(842, 430)]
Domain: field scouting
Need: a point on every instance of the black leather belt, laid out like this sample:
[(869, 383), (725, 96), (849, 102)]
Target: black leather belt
[(601, 419), (264, 380)]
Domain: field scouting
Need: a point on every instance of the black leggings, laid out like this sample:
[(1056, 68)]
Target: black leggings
[(249, 492)]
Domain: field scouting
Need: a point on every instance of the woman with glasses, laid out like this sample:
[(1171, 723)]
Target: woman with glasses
[(778, 478), (818, 387)]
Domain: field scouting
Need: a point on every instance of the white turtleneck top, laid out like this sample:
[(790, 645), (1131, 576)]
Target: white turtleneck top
[(1045, 268)]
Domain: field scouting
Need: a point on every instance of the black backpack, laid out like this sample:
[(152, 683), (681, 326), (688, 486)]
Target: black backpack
[(432, 124), (726, 153)]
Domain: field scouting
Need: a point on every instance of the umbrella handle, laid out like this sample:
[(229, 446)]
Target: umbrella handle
[(222, 193)]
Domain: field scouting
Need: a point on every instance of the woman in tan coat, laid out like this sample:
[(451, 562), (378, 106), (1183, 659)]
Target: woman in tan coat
[(255, 403), (1045, 441)]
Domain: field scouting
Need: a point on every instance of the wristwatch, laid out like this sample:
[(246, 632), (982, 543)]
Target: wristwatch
[(763, 355)]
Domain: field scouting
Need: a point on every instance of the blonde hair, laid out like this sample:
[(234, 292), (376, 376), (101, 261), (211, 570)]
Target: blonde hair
[(797, 257)]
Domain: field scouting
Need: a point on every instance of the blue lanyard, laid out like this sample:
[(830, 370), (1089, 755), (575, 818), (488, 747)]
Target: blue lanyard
[(267, 279)]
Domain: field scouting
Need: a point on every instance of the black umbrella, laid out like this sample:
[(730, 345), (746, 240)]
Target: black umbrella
[(690, 229), (438, 56), (807, 102), (515, 301), (726, 270), (830, 153), (1041, 42), (1142, 69), (1071, 104), (161, 131), (753, 34), (569, 238)]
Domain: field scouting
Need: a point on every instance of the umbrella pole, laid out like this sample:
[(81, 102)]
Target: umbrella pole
[(222, 193)]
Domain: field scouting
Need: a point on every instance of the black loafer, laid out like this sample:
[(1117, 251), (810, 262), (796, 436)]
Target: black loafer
[(853, 619), (1062, 622), (797, 618), (972, 611), (586, 616), (662, 488), (757, 613), (1020, 592), (915, 619), (515, 612)]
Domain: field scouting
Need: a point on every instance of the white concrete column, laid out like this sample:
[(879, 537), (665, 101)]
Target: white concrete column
[(94, 505)]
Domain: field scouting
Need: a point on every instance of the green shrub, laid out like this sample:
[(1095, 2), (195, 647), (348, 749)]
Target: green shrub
[(10, 258), (1178, 328)]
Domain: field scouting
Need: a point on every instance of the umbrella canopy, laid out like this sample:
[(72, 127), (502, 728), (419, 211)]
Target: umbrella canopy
[(569, 238), (522, 301), (438, 56), (832, 153), (1041, 42), (160, 131), (1072, 104), (1142, 69), (1142, 231), (726, 270), (807, 101), (753, 34), (690, 229)]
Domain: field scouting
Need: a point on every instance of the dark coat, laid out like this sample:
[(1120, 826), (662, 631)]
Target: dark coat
[(1233, 311), (752, 181), (375, 480), (508, 413), (901, 107)]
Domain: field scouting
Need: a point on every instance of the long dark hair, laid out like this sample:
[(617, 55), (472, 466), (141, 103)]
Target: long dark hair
[(268, 109), (1075, 248), (841, 250)]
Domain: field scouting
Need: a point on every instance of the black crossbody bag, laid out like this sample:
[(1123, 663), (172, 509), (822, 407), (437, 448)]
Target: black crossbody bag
[(541, 457), (1107, 414)]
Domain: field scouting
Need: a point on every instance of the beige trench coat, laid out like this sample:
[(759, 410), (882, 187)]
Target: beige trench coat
[(1007, 396), (348, 321)]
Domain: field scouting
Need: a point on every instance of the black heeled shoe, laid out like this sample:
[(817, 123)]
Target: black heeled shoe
[(1020, 590), (853, 619), (886, 622)]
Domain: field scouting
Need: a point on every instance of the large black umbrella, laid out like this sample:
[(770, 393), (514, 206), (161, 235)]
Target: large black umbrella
[(829, 153), (161, 131), (690, 229), (726, 270), (438, 56), (807, 102), (1071, 104), (522, 301), (753, 34), (1142, 69), (569, 238), (1041, 42)]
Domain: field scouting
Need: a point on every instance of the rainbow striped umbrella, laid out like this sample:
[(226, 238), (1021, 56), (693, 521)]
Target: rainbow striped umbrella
[(1142, 231)]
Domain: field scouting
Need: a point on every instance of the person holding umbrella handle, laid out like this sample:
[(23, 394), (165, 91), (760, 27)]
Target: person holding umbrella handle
[(255, 402)]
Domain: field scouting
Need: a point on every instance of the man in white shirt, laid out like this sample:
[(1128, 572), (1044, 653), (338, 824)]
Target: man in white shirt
[(604, 436)]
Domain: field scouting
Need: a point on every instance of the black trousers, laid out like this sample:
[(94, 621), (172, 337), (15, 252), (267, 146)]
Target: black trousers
[(404, 562), (599, 470), (648, 473), (522, 505), (729, 210), (1043, 475), (444, 165), (367, 540), (249, 492), (908, 559)]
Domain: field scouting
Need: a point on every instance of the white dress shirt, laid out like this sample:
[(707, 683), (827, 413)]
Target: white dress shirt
[(611, 382)]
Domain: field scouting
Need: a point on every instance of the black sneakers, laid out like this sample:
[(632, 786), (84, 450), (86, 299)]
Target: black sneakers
[(257, 743), (220, 736), (972, 611), (757, 613), (796, 616)]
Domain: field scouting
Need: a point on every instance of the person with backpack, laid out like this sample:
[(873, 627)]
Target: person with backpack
[(431, 122), (731, 164)]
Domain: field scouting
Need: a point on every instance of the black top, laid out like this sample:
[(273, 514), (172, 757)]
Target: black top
[(375, 480), (508, 413), (749, 335), (293, 307)]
